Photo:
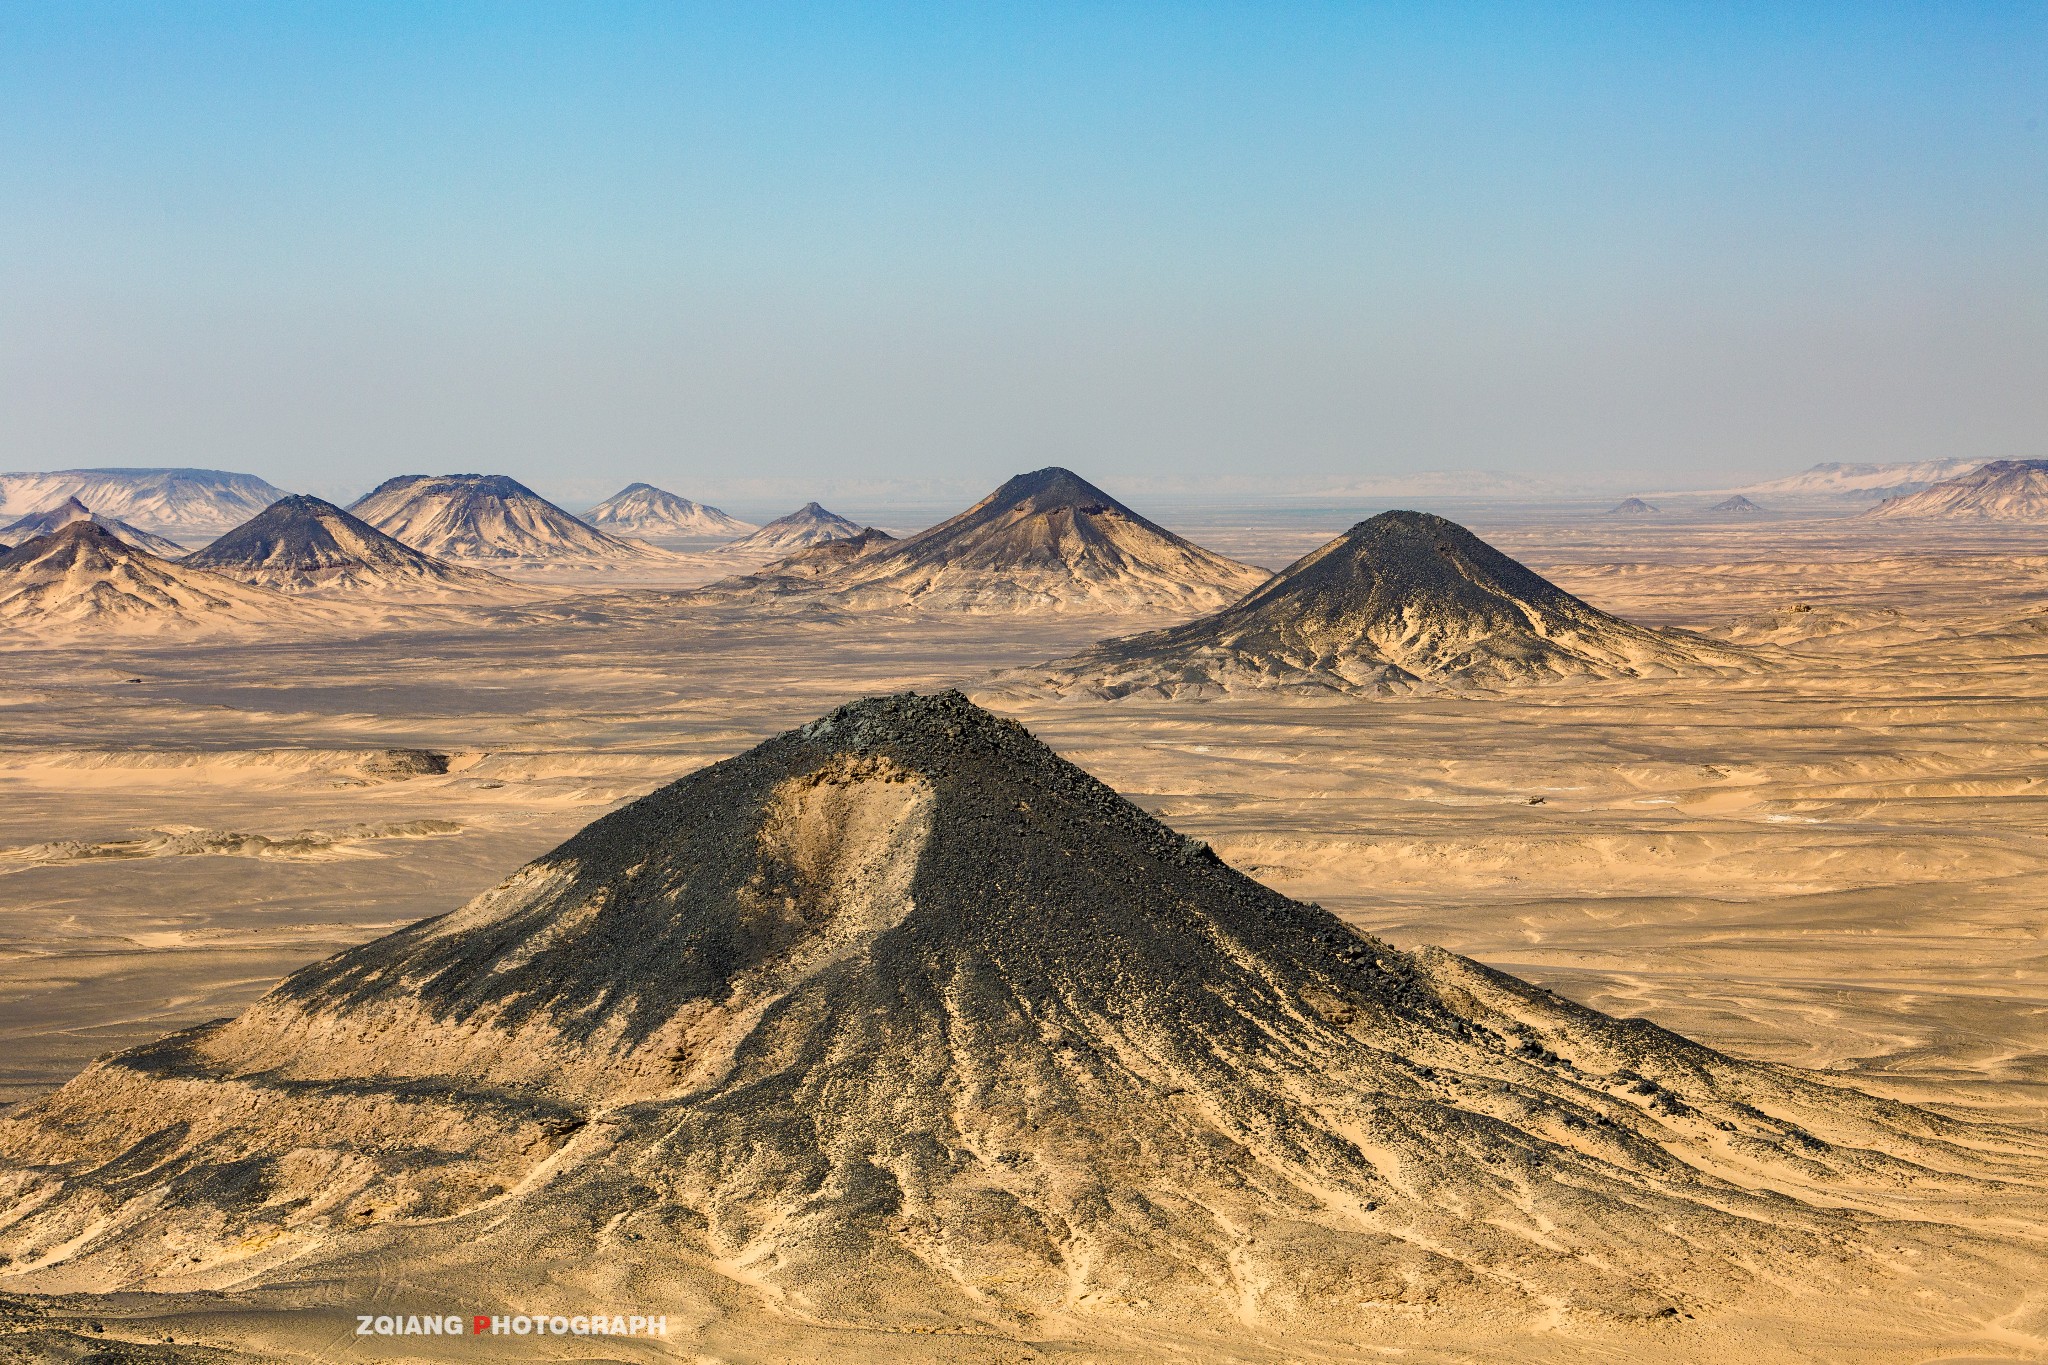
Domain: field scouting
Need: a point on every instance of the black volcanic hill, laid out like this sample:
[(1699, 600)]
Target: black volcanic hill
[(302, 543), (68, 510), (83, 579), (487, 516), (1631, 507), (901, 1019), (809, 525), (1047, 540), (1402, 599), (1738, 504)]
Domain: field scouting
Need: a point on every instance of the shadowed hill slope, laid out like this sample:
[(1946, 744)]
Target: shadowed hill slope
[(899, 1019), (82, 579), (1403, 599)]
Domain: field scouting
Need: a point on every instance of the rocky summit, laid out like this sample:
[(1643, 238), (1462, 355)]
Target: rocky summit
[(899, 1021), (486, 517), (68, 510), (1405, 599), (1044, 541), (302, 543), (2003, 490), (807, 526)]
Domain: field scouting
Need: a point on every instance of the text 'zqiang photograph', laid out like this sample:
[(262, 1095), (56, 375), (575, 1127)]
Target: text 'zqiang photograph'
[(1066, 684)]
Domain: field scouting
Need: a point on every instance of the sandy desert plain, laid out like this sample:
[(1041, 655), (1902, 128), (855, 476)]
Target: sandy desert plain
[(1837, 862)]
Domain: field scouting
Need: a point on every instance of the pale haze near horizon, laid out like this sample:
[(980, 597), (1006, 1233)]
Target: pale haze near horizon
[(747, 253)]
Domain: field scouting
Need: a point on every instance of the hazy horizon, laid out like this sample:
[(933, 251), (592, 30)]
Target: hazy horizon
[(1193, 251)]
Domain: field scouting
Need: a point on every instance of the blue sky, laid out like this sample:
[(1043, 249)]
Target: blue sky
[(739, 249)]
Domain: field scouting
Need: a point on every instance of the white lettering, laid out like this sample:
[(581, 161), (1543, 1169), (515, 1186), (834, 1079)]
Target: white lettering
[(518, 1325)]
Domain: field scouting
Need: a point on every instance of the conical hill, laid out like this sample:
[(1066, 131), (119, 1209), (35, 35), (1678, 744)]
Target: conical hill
[(899, 1020), (1402, 600)]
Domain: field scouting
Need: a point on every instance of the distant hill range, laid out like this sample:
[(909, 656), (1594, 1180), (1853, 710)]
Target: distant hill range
[(904, 1020), (808, 525), (641, 509), (1858, 482), (71, 509), (2002, 490), (192, 503), (82, 580), (488, 517), (1048, 540), (305, 544), (1401, 600)]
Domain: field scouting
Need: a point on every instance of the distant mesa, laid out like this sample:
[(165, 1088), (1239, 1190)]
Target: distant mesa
[(1048, 540), (487, 517), (2003, 490), (902, 1018), (641, 509), (1403, 600), (189, 503), (305, 544), (82, 577), (1836, 481), (1631, 507), (1736, 506), (71, 509), (808, 525)]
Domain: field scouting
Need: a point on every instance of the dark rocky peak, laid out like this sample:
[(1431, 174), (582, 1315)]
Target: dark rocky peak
[(76, 540)]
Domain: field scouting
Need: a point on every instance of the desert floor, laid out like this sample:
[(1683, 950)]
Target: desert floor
[(1838, 863)]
